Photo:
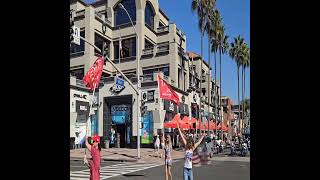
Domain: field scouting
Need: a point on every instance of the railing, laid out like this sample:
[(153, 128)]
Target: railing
[(163, 48), (80, 13), (147, 78), (163, 29), (148, 51), (79, 82), (76, 54)]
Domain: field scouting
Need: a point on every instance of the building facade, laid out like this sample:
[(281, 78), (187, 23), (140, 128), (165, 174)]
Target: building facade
[(162, 51)]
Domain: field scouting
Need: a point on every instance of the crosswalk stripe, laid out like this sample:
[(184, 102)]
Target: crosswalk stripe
[(113, 170)]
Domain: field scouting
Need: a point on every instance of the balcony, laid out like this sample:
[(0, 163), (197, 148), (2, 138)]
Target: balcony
[(76, 54), (147, 53), (79, 15), (163, 49), (163, 30)]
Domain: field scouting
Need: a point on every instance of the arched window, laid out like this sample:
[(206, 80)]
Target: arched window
[(149, 15), (120, 16)]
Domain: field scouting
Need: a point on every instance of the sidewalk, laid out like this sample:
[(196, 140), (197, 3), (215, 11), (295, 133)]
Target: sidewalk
[(126, 155)]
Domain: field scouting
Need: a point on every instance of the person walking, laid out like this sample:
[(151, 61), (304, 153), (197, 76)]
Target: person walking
[(168, 158), (190, 146), (94, 164), (157, 144)]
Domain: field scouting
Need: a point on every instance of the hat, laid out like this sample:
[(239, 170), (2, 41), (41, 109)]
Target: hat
[(96, 138)]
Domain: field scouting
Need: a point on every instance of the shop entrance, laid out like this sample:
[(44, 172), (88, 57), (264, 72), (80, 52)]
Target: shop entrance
[(117, 120)]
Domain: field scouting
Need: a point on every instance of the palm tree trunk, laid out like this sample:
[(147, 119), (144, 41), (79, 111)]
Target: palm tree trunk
[(239, 99), (209, 82), (220, 104), (200, 114), (215, 87), (242, 97)]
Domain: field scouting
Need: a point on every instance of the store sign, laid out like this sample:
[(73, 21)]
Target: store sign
[(82, 107), (184, 109), (170, 106), (81, 96), (120, 114)]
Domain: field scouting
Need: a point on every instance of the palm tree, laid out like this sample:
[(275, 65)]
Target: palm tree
[(245, 64), (216, 23), (210, 26), (201, 8), (236, 53), (223, 46)]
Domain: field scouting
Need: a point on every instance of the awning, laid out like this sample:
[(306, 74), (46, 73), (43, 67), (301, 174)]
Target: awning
[(173, 123)]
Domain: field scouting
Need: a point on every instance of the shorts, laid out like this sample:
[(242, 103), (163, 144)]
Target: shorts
[(168, 162)]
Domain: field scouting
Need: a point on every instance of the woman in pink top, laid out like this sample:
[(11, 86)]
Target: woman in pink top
[(94, 164)]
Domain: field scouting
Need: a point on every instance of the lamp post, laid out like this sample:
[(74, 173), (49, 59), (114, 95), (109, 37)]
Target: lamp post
[(138, 82)]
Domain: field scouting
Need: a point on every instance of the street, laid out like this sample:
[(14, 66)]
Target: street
[(223, 168)]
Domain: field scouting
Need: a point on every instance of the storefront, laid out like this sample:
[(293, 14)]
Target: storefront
[(117, 120), (79, 114)]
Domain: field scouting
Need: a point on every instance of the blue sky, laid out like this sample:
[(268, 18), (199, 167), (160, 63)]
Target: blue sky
[(236, 17)]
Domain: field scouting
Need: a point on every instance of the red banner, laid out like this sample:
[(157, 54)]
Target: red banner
[(92, 77), (166, 92)]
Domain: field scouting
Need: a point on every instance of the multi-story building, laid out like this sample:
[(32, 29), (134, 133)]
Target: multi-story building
[(162, 50), (228, 120)]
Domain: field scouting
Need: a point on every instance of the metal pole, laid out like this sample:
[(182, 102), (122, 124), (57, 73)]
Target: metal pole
[(106, 57), (94, 89), (138, 82)]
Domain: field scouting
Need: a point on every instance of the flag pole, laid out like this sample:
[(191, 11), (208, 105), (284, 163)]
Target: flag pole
[(90, 104)]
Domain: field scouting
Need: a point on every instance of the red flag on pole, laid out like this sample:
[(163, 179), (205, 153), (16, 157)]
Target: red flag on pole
[(166, 92), (92, 77)]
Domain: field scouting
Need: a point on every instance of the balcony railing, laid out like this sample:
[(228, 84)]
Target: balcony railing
[(76, 54), (148, 51), (147, 78), (79, 82), (163, 29), (163, 48), (80, 13)]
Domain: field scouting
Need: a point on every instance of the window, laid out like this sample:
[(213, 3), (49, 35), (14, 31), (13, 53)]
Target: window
[(98, 41), (128, 48), (78, 73), (179, 78), (161, 24), (149, 15), (78, 48), (121, 16), (165, 71), (203, 91), (147, 44)]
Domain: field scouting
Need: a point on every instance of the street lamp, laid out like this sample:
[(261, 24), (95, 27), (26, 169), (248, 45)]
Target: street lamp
[(138, 82)]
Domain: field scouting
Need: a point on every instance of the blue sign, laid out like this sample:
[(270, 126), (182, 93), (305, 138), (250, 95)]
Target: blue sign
[(147, 130), (119, 82), (119, 114)]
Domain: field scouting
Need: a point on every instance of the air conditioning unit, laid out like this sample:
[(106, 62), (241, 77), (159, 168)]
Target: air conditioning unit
[(144, 96)]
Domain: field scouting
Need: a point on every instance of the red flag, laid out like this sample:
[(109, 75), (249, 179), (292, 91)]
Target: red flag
[(92, 77), (166, 92)]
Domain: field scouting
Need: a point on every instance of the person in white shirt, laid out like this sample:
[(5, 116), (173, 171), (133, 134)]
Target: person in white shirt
[(190, 146), (157, 144)]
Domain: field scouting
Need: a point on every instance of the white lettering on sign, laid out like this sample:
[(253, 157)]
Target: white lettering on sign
[(83, 108)]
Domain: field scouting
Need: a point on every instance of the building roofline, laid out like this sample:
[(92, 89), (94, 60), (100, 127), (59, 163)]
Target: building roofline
[(164, 15)]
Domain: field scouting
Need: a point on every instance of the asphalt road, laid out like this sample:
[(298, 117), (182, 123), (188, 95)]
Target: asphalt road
[(222, 170)]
